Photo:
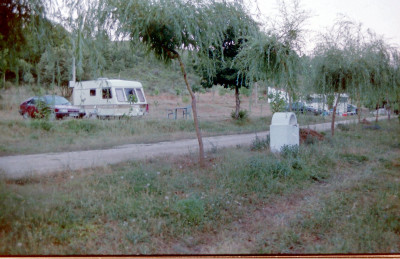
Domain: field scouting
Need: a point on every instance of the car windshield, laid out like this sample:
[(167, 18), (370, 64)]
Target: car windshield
[(56, 100)]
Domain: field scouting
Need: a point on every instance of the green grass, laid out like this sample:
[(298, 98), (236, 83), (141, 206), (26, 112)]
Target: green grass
[(26, 137), (153, 206)]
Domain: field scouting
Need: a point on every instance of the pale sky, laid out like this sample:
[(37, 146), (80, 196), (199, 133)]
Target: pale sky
[(382, 16)]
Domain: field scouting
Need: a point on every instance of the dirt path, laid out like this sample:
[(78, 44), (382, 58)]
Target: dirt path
[(14, 167)]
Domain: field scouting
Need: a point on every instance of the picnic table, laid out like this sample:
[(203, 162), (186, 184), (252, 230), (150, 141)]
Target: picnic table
[(187, 110)]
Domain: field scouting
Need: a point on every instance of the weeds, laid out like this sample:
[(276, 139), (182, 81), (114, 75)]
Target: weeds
[(259, 144), (153, 206)]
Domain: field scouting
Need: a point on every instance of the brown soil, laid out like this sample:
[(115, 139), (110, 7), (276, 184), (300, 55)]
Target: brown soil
[(211, 105), (364, 121), (309, 133)]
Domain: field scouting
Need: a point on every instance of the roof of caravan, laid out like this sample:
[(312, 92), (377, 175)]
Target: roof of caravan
[(104, 82)]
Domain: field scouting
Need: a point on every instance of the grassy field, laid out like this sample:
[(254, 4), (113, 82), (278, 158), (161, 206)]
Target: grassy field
[(340, 195), (19, 136)]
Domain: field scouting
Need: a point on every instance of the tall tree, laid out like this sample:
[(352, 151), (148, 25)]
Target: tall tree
[(15, 17), (169, 28), (226, 71)]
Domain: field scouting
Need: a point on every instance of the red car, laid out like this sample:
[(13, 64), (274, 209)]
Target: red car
[(53, 106)]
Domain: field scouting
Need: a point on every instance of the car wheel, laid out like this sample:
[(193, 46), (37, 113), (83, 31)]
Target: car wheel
[(26, 116), (52, 116)]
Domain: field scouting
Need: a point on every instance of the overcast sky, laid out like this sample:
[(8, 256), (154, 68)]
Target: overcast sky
[(382, 16)]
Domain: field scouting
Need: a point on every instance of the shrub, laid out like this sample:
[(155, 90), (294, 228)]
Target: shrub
[(191, 211), (81, 126), (343, 127), (277, 102), (41, 124), (243, 115), (260, 143), (354, 158), (290, 151)]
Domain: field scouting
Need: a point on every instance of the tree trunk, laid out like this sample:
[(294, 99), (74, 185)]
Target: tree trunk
[(194, 109), (358, 107), (388, 106), (17, 75), (237, 102), (256, 87), (3, 80), (290, 100), (334, 116), (377, 112)]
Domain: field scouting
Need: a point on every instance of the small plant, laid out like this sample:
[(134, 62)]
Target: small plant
[(277, 102), (41, 124), (343, 127), (177, 91), (243, 115), (245, 91), (185, 99), (156, 103), (260, 143), (290, 151), (191, 211), (132, 98), (354, 158)]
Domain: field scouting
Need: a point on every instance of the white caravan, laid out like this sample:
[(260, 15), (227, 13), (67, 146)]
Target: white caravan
[(110, 97), (319, 102)]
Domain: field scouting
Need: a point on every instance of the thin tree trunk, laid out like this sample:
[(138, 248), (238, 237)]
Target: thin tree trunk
[(334, 116), (256, 87), (237, 102), (3, 80), (358, 107), (194, 108), (290, 100), (388, 105), (377, 112)]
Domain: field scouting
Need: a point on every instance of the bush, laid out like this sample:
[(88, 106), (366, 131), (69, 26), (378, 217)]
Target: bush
[(290, 151), (191, 211), (81, 126), (243, 115), (41, 124), (260, 144)]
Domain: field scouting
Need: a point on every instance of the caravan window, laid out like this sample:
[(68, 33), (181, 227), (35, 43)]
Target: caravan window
[(129, 92), (106, 92), (120, 95), (92, 92), (140, 95)]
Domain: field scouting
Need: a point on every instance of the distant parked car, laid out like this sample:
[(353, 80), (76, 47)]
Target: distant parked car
[(352, 109), (301, 107), (53, 106)]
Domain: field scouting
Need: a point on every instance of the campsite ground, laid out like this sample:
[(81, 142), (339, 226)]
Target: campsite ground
[(339, 195)]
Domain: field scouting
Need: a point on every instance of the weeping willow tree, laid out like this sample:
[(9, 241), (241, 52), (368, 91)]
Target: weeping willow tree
[(168, 28), (395, 84), (332, 74), (274, 56), (380, 74)]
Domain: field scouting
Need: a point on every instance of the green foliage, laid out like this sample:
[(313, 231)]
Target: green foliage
[(354, 158), (243, 115), (277, 102), (81, 126), (191, 211), (132, 98), (290, 151), (41, 124), (260, 144)]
